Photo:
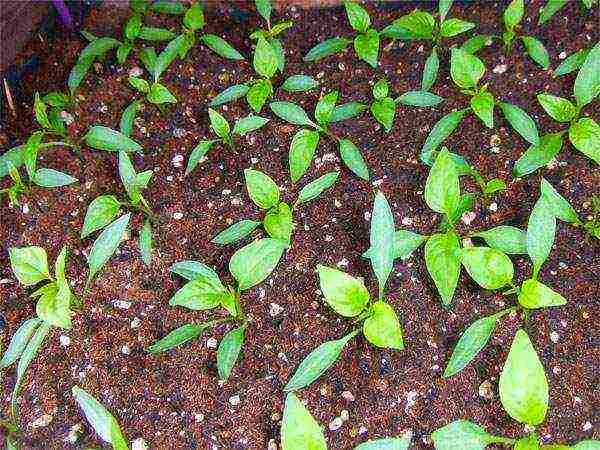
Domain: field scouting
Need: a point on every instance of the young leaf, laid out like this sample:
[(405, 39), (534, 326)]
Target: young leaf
[(471, 342), (248, 124), (155, 35), (313, 189), (101, 420), (52, 178), (571, 63), (194, 17), (534, 294), (193, 270), (253, 263), (507, 239), (585, 137), (537, 51), (453, 27), (419, 98), (382, 241), (264, 9), (53, 307), (476, 43), (203, 292), (291, 113), (29, 264), (345, 294), (145, 239), (327, 48), (466, 69), (521, 122), (381, 89), (325, 107), (299, 431), (230, 94), (167, 56), (430, 71), (278, 49), (229, 351), (420, 24), (540, 234), (106, 244), (384, 111), (96, 48), (532, 442), (41, 115), (442, 263), (180, 336), (302, 150), (587, 83), (197, 154), (168, 7), (399, 443), (317, 362), (560, 109), (104, 138), (366, 47), (18, 342), (441, 130), (347, 111), (357, 16), (538, 155), (559, 206), (382, 327), (549, 9), (148, 57), (159, 95), (219, 124), (221, 47), (513, 14), (265, 59), (235, 232), (444, 7), (482, 104), (523, 385), (261, 188), (128, 117), (353, 159), (299, 83), (442, 189), (490, 268), (464, 435), (278, 222)]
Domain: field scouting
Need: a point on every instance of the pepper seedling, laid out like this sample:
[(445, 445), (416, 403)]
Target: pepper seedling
[(305, 141), (249, 266), (583, 131), (278, 221), (349, 297), (553, 6)]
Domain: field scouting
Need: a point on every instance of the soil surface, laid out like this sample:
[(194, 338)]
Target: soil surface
[(174, 401)]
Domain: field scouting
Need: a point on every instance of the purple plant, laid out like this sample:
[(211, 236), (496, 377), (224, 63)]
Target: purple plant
[(64, 13)]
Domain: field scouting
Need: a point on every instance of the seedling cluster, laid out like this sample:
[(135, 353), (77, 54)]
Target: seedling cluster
[(523, 386)]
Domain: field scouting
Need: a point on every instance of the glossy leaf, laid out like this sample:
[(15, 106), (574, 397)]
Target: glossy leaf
[(197, 154), (219, 124), (557, 204), (327, 48), (382, 249), (538, 155), (521, 122), (156, 34), (290, 112), (253, 263), (464, 435), (345, 294), (313, 189), (537, 51), (18, 342), (430, 71), (265, 59), (353, 159), (482, 105), (203, 292), (261, 188), (442, 189), (419, 98), (278, 222), (442, 263), (505, 238), (384, 111), (357, 16), (264, 8), (325, 107), (453, 27), (194, 17), (248, 124), (549, 9), (587, 83), (490, 268), (235, 232), (258, 94), (299, 430), (441, 130), (167, 56), (540, 234), (221, 47), (106, 244), (534, 294), (230, 94), (299, 83), (229, 351), (160, 94), (466, 69), (513, 14), (302, 150), (366, 47), (420, 24), (571, 63), (104, 138), (382, 327), (560, 109), (347, 111), (192, 270), (29, 264), (585, 137), (52, 178), (128, 117), (398, 443)]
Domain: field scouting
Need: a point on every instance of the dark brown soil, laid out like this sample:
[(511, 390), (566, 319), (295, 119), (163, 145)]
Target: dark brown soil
[(160, 399)]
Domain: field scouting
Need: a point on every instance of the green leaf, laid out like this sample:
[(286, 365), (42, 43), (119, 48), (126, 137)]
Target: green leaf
[(482, 104), (507, 239), (57, 99), (261, 188), (540, 234), (146, 243), (53, 306), (384, 111), (453, 27), (464, 435), (357, 16), (345, 294), (537, 51), (194, 17), (193, 270), (128, 177), (382, 241), (534, 294), (235, 232), (430, 71), (100, 213), (317, 362), (466, 69), (560, 109), (441, 130), (513, 14), (521, 122), (587, 445), (442, 189), (219, 124), (313, 189), (248, 124), (180, 336), (406, 242), (52, 178), (419, 98), (197, 154), (221, 47), (442, 263), (420, 24), (168, 7), (101, 420), (148, 57), (106, 244), (347, 111), (299, 431), (471, 342), (381, 89), (539, 155), (156, 34), (366, 47), (229, 351), (327, 48), (523, 385), (382, 328), (104, 138), (264, 9), (203, 292), (230, 94), (531, 442), (167, 56), (265, 59), (18, 342), (278, 222), (549, 9), (41, 115), (128, 117), (325, 107), (494, 185), (587, 83), (94, 49), (557, 204), (133, 26), (585, 137), (299, 83), (29, 264), (253, 263), (159, 94), (302, 150), (292, 113), (572, 63), (399, 443), (353, 159), (444, 7), (490, 268), (476, 43)]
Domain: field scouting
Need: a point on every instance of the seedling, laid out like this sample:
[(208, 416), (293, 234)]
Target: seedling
[(349, 297), (268, 58), (383, 107), (553, 6), (583, 131), (513, 14), (523, 388), (278, 221), (419, 25), (226, 136), (305, 141), (103, 210), (249, 266), (300, 431), (466, 71), (366, 41), (571, 63), (592, 225)]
